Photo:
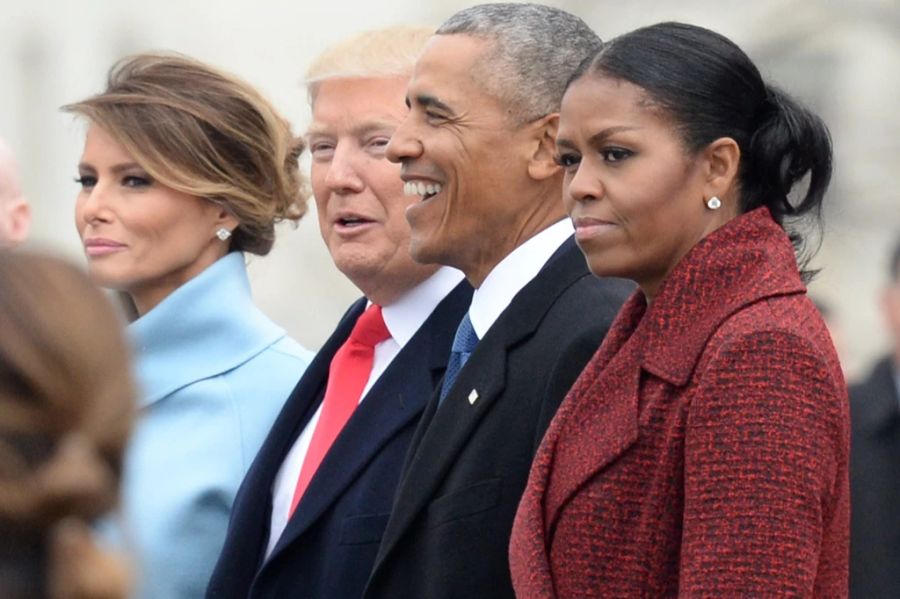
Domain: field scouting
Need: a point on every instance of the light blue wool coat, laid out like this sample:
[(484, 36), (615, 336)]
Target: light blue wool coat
[(214, 372)]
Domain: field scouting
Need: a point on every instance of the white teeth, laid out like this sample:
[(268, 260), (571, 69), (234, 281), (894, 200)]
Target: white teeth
[(419, 188)]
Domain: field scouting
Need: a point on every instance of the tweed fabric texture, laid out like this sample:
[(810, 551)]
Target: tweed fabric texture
[(703, 452)]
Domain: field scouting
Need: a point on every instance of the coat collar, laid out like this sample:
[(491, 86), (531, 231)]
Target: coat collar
[(207, 326), (748, 259)]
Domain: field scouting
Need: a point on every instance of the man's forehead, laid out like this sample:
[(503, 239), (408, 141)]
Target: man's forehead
[(377, 103), (449, 57), (355, 125)]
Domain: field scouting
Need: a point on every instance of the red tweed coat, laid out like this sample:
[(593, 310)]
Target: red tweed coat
[(703, 451)]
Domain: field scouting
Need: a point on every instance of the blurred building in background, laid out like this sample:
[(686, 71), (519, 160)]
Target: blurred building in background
[(839, 57)]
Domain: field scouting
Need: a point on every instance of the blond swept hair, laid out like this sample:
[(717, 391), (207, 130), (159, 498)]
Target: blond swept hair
[(206, 133), (388, 52)]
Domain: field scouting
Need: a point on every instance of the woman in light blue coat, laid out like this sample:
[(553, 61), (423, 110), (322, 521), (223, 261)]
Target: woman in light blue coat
[(186, 168)]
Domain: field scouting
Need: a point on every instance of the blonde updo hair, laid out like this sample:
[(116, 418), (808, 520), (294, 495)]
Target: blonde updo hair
[(388, 52), (66, 406), (206, 133)]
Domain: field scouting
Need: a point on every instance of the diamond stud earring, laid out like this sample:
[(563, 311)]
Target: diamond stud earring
[(714, 203), (223, 233)]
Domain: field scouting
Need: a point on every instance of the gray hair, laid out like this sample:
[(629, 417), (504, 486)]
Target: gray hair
[(535, 49)]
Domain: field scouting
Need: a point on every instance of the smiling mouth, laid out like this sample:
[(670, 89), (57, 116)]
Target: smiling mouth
[(424, 189)]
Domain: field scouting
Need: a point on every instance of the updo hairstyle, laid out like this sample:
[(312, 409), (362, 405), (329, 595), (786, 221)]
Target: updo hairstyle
[(206, 133)]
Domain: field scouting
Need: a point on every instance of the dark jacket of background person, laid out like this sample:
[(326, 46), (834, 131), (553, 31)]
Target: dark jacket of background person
[(469, 459), (875, 463), (66, 407), (725, 391), (875, 485)]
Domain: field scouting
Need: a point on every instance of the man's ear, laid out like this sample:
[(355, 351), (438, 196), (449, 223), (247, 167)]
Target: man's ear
[(541, 164), (723, 156), (19, 217)]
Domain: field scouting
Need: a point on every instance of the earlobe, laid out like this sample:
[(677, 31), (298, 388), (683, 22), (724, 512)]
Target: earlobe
[(541, 164)]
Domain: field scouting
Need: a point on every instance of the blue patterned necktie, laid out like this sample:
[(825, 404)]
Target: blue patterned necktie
[(463, 345)]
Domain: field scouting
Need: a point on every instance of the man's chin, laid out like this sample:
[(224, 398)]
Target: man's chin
[(425, 252)]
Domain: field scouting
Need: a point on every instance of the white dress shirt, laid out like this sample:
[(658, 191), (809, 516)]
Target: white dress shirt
[(402, 318), (513, 273)]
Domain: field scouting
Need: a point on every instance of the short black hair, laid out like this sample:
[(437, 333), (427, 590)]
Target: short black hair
[(534, 49)]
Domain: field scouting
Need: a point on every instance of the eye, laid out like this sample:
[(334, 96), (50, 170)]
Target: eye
[(377, 145), (434, 117), (86, 181), (136, 181), (567, 160), (615, 154), (322, 151)]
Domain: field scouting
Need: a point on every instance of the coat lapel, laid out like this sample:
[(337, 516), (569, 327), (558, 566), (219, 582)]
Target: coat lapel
[(253, 504), (445, 431), (305, 398), (394, 401), (600, 412), (397, 398)]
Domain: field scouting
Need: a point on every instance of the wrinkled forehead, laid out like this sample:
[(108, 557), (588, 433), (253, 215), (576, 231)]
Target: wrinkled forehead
[(450, 60)]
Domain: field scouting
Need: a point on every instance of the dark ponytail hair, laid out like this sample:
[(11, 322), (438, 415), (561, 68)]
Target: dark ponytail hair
[(711, 89)]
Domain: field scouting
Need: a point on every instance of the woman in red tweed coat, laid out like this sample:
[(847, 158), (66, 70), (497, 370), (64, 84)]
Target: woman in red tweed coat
[(703, 451)]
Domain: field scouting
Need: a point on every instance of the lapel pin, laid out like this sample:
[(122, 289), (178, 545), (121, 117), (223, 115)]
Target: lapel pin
[(473, 396)]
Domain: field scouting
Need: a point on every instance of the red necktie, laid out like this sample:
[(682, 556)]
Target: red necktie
[(347, 376)]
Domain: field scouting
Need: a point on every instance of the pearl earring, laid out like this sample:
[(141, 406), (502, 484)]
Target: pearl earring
[(714, 203), (223, 233)]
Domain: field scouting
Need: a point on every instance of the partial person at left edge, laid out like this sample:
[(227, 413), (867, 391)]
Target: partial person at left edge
[(185, 168), (15, 213), (66, 404)]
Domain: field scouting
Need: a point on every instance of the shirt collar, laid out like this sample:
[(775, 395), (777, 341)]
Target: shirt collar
[(512, 274), (404, 316)]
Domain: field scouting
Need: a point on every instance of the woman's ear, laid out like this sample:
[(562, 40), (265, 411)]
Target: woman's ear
[(225, 218), (541, 165), (723, 156)]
